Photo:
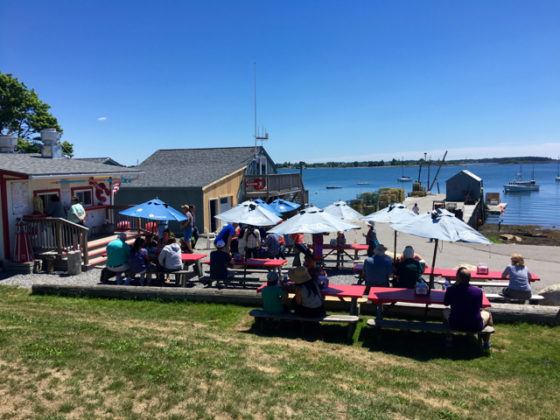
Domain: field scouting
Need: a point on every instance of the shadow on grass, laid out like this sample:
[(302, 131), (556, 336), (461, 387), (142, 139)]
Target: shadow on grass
[(329, 333), (421, 346)]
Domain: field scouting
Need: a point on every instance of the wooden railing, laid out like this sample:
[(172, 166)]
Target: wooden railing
[(57, 234), (273, 184)]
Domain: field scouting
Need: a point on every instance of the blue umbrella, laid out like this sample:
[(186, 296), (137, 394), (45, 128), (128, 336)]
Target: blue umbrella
[(283, 206), (154, 210), (271, 209)]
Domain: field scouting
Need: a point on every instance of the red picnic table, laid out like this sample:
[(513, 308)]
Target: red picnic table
[(341, 291), (262, 263), (491, 275), (359, 267), (356, 247), (189, 259)]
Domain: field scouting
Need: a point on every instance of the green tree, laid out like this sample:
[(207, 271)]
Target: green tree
[(23, 114)]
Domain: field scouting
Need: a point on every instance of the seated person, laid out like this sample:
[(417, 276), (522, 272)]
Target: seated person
[(308, 301), (378, 268), (220, 259), (317, 274), (275, 299), (169, 259), (117, 256), (138, 261), (466, 303), (408, 271), (519, 286)]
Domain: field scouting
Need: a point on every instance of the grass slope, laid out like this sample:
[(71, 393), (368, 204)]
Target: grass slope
[(93, 358)]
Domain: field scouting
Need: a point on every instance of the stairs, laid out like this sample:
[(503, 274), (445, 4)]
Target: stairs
[(97, 249)]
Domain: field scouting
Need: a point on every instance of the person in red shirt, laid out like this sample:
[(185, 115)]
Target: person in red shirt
[(299, 248)]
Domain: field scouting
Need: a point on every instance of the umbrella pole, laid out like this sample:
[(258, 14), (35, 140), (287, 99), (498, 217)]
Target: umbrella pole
[(433, 266), (395, 256)]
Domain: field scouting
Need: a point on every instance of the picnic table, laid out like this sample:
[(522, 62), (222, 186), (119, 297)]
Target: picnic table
[(257, 263), (491, 275), (343, 249), (358, 268), (381, 295), (341, 291), (188, 259)]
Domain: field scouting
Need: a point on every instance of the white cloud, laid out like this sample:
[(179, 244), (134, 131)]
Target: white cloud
[(101, 118)]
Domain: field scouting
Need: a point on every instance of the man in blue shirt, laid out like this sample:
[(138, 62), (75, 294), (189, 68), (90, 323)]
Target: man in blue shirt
[(226, 235), (117, 256), (378, 268)]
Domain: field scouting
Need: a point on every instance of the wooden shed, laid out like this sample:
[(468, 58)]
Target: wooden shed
[(464, 186)]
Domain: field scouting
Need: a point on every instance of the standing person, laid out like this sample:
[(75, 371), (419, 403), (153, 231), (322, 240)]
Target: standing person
[(117, 256), (252, 238), (76, 214), (299, 248), (466, 304), (340, 243), (308, 301), (272, 245), (220, 259), (138, 261), (195, 229), (187, 226), (54, 208), (416, 209), (226, 235), (162, 226), (318, 241), (371, 238), (519, 278), (378, 268)]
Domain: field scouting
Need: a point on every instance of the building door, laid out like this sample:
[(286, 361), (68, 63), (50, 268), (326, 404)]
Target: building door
[(213, 212)]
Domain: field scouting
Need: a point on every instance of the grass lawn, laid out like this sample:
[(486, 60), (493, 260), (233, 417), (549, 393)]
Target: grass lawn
[(94, 358)]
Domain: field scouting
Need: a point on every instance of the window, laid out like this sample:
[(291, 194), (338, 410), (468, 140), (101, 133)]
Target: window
[(85, 195), (45, 196)]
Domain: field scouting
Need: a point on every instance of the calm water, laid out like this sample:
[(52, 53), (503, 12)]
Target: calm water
[(539, 208)]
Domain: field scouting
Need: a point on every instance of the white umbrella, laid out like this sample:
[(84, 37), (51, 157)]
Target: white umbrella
[(312, 220), (394, 213), (343, 211), (440, 224), (249, 213)]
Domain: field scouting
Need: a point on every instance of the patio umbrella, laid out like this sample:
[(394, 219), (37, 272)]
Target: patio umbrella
[(440, 224), (154, 210), (343, 211), (267, 206), (249, 213), (284, 206), (312, 220), (394, 213)]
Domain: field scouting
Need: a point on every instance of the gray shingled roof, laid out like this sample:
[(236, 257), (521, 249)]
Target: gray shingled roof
[(104, 160), (190, 167), (34, 165)]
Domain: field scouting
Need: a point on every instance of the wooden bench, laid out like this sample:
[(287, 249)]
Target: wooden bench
[(351, 320), (495, 297), (483, 336)]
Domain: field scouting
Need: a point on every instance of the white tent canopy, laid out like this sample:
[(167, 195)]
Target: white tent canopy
[(343, 211), (312, 220), (249, 213)]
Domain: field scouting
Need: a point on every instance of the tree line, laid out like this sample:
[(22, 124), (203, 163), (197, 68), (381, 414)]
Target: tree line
[(395, 162)]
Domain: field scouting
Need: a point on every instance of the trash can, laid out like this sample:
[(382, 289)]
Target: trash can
[(74, 262)]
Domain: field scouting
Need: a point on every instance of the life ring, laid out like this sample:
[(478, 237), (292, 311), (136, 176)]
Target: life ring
[(260, 184)]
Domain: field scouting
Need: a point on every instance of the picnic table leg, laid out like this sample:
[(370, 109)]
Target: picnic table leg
[(379, 312), (354, 307)]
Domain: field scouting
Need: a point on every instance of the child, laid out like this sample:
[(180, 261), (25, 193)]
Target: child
[(340, 243), (274, 297)]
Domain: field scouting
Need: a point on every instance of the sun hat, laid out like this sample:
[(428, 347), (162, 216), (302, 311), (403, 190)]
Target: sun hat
[(122, 236), (299, 275), (371, 223), (185, 206), (220, 244)]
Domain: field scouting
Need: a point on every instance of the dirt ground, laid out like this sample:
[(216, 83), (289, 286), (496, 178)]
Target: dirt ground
[(528, 234)]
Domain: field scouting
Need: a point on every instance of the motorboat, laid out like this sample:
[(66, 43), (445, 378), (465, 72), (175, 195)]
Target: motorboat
[(521, 185), (363, 183)]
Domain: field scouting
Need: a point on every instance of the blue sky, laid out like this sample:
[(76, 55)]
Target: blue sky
[(337, 80)]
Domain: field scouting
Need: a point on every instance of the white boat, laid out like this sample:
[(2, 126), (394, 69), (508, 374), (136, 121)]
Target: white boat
[(363, 183), (521, 185), (403, 177)]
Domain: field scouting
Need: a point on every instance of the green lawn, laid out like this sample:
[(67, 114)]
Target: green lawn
[(94, 358)]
